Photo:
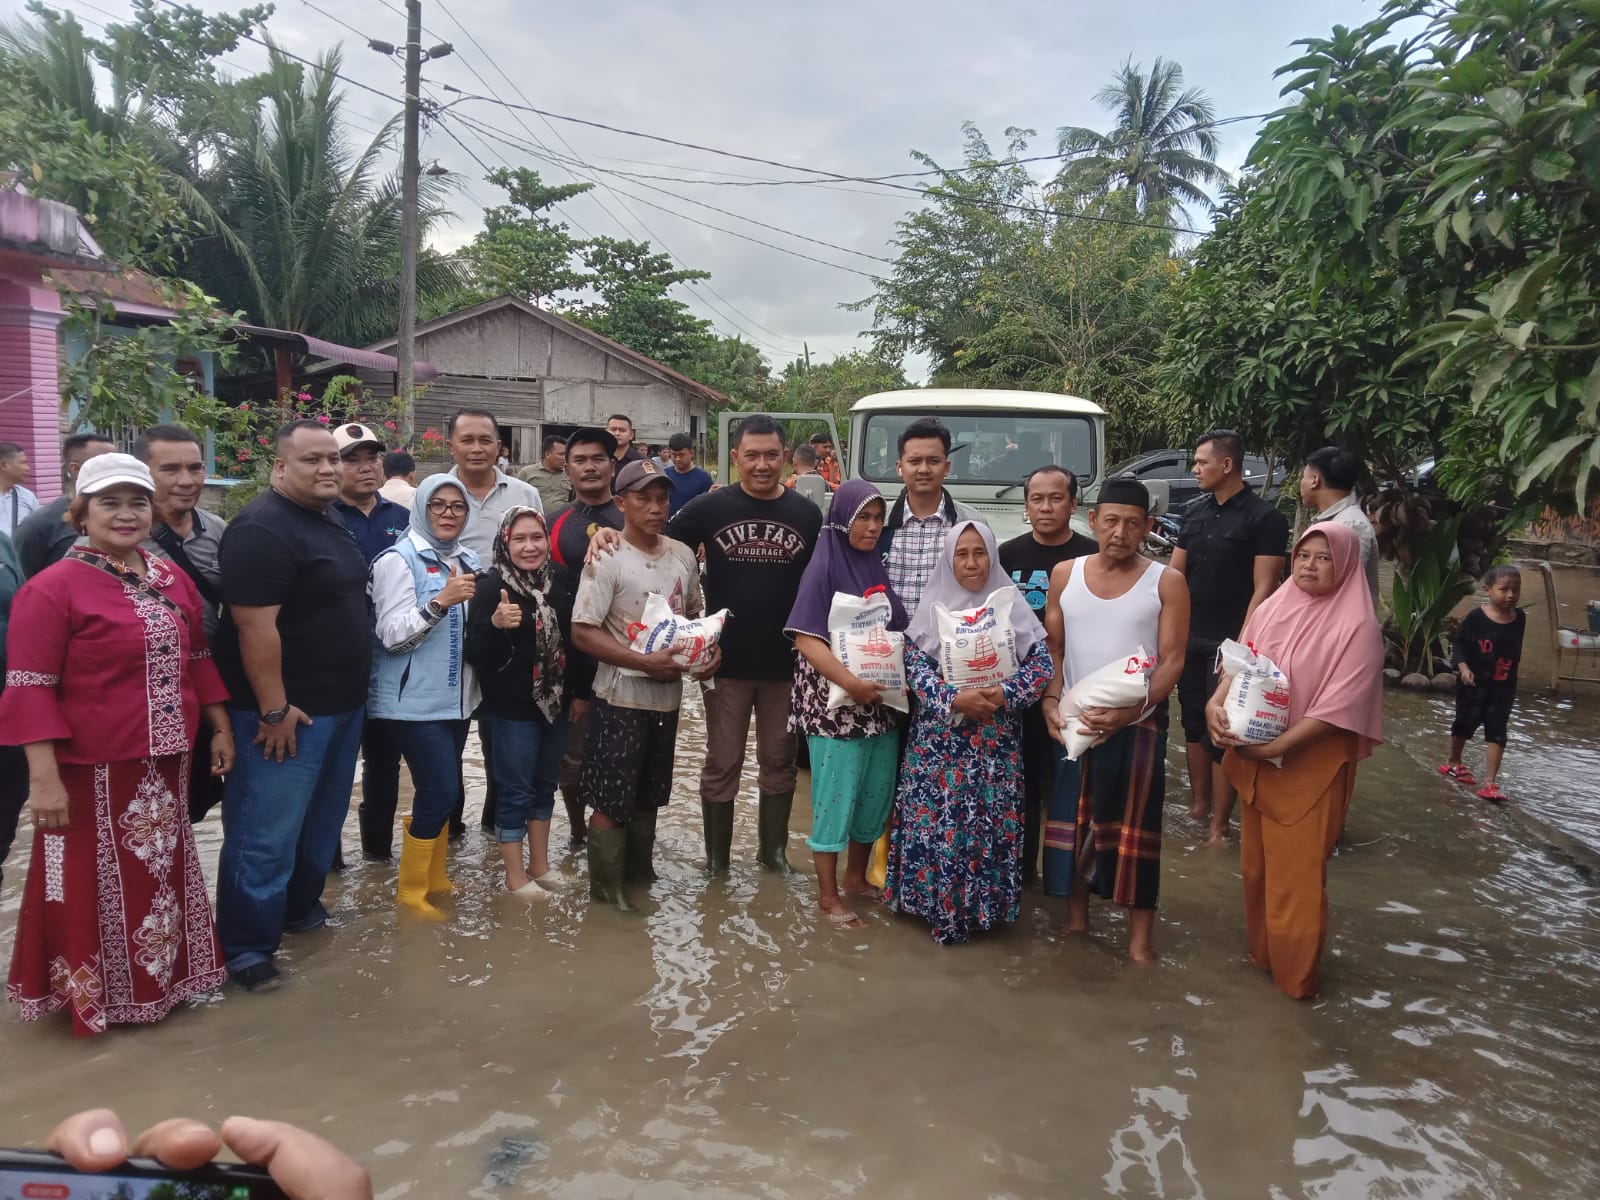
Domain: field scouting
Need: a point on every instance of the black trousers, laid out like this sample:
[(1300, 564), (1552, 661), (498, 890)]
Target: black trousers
[(13, 796), (458, 818), (1038, 783), (380, 787)]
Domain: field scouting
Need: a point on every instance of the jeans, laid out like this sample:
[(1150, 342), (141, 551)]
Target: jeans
[(280, 829), (432, 750), (380, 787), (526, 766)]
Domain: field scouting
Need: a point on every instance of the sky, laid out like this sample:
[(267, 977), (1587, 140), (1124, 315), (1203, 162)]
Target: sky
[(847, 86)]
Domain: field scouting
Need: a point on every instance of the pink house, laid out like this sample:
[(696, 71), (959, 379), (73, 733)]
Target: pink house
[(35, 236)]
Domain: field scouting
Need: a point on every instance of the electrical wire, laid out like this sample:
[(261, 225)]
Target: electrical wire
[(651, 235)]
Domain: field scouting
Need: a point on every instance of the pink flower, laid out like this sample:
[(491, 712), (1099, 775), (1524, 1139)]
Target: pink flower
[(322, 418), (390, 425), (262, 440), (302, 395)]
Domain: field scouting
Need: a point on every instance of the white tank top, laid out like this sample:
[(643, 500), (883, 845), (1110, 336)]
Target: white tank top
[(1098, 631)]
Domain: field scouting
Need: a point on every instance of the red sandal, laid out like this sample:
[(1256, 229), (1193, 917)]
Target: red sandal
[(1492, 792), (1459, 772)]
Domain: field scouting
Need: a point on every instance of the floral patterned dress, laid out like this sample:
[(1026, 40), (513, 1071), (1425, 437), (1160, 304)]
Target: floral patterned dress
[(955, 849), (116, 918)]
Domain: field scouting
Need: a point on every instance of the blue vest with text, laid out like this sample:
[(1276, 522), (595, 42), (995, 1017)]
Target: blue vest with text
[(424, 680)]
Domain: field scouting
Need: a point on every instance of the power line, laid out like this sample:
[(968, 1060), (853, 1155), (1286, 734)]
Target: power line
[(651, 235), (489, 131)]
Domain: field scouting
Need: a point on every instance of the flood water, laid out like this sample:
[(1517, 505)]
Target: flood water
[(721, 1044)]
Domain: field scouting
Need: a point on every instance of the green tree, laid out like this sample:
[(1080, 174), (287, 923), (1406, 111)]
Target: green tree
[(633, 306), (522, 251), (1162, 148), (316, 227), (832, 387), (1460, 163)]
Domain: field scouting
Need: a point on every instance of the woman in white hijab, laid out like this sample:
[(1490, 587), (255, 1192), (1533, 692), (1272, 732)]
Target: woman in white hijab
[(955, 851)]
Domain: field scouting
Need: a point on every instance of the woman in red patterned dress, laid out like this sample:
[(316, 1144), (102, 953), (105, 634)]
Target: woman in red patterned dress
[(107, 674)]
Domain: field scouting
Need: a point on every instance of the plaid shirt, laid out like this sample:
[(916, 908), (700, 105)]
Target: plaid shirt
[(914, 554)]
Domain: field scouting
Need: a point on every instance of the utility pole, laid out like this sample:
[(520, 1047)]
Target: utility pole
[(410, 170), (806, 346)]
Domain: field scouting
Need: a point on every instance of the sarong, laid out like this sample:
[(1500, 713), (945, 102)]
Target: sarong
[(1118, 834)]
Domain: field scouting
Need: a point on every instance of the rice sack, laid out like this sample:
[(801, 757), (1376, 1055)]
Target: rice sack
[(1257, 704), (692, 641), (977, 646), (1121, 683), (859, 636)]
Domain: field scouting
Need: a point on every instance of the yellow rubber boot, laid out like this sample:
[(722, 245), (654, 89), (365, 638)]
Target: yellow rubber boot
[(438, 882), (416, 856)]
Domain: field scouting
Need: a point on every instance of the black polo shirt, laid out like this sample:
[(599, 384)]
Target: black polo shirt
[(305, 563), (1223, 542)]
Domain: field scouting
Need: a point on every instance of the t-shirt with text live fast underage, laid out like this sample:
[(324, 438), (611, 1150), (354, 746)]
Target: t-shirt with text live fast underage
[(305, 563), (1029, 563), (756, 551)]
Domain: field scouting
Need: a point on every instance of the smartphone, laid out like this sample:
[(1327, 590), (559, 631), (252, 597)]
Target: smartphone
[(40, 1175)]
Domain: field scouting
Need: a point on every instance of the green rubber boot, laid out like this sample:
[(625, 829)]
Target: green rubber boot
[(774, 831), (638, 864), (718, 820), (606, 850)]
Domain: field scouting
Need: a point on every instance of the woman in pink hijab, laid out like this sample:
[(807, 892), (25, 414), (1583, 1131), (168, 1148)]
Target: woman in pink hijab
[(1321, 632)]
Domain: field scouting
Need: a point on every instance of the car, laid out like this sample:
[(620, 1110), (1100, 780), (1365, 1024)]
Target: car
[(1176, 468)]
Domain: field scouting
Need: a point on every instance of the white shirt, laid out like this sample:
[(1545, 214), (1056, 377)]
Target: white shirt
[(1347, 512), (398, 490), (15, 505)]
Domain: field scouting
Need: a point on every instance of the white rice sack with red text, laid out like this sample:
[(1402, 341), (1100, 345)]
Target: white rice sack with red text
[(860, 638), (977, 646), (1257, 703), (1121, 683), (692, 641)]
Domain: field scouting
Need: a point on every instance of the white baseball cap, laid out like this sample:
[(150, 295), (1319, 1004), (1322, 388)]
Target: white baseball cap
[(348, 437), (113, 470)]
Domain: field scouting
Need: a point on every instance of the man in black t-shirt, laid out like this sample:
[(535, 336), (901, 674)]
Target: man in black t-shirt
[(1050, 497), (1231, 549), (589, 471), (295, 650), (757, 538)]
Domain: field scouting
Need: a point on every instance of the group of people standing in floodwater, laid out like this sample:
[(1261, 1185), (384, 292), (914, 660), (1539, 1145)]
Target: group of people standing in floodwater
[(346, 626)]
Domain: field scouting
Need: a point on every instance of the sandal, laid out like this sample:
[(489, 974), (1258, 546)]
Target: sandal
[(1459, 772), (844, 920), (1492, 792)]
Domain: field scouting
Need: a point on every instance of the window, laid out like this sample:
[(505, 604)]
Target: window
[(987, 446)]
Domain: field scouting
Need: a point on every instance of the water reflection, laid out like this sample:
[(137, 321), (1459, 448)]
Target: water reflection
[(721, 1043)]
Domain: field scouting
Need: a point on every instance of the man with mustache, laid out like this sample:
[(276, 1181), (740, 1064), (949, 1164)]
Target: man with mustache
[(191, 539), (590, 473)]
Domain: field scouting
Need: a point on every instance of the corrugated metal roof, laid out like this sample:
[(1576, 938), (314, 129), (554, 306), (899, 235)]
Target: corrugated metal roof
[(333, 352)]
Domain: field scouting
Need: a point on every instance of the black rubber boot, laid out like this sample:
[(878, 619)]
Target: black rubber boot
[(718, 821), (638, 865), (606, 850), (774, 831), (377, 835)]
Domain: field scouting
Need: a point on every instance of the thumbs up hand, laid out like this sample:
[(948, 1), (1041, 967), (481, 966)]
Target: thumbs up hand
[(460, 587), (507, 614)]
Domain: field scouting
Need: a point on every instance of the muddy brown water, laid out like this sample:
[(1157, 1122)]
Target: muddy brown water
[(721, 1044)]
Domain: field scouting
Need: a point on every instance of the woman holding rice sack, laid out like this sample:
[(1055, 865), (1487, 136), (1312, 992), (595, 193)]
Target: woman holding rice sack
[(855, 748), (955, 852), (1320, 630)]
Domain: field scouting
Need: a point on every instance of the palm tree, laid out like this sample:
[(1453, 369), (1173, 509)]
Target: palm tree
[(315, 227), (1162, 148)]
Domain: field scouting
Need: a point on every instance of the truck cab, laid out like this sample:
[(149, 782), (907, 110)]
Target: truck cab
[(996, 438)]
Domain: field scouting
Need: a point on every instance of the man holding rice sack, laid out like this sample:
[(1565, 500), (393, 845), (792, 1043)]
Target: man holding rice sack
[(1113, 608)]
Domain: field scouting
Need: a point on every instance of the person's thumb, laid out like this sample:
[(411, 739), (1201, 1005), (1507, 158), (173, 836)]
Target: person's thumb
[(505, 596), (451, 567), (302, 1164)]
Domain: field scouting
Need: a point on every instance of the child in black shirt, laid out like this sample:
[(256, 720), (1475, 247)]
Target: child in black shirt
[(1486, 653)]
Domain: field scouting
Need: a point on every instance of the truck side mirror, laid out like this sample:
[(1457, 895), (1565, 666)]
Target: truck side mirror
[(1160, 496)]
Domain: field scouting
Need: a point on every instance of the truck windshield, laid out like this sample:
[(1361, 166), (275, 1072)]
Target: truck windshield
[(987, 446)]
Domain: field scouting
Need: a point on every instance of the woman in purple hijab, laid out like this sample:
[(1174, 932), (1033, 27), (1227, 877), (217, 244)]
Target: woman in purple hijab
[(854, 749), (955, 848)]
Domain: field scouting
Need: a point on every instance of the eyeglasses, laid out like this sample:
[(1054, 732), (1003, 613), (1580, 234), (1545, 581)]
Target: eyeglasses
[(447, 508)]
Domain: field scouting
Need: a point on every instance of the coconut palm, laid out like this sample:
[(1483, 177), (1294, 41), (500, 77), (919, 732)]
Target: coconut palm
[(1162, 147), (315, 225)]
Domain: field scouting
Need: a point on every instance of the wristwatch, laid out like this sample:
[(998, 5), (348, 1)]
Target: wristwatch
[(435, 608), (276, 716)]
